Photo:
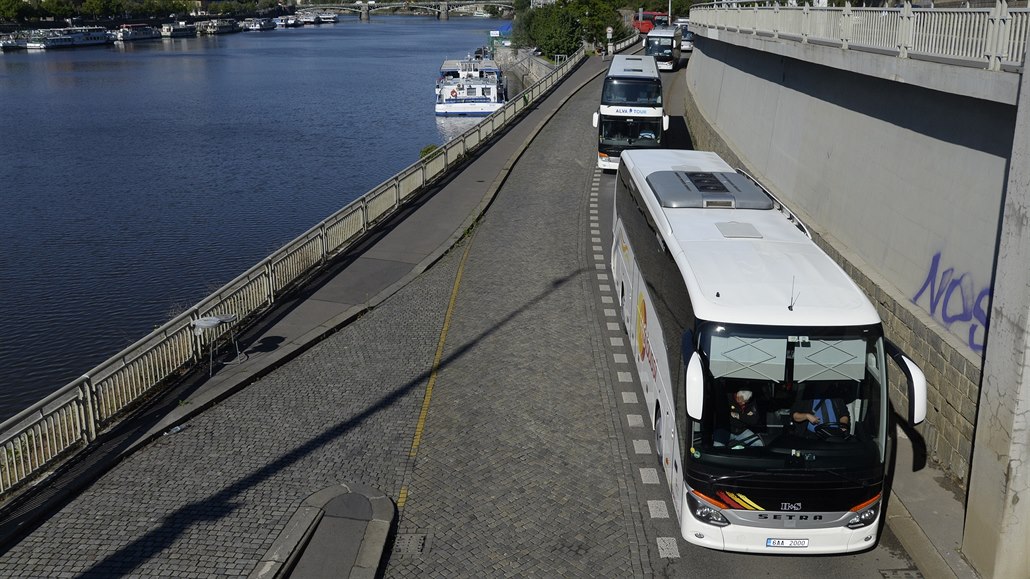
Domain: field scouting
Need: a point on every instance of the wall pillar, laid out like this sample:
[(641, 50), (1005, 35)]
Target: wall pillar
[(444, 8), (997, 527), (364, 13)]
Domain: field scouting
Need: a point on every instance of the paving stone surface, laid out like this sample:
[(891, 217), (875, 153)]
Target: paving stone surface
[(520, 470), (210, 499)]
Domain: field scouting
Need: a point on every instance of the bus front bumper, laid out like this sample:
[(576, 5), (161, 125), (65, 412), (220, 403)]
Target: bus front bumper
[(746, 539)]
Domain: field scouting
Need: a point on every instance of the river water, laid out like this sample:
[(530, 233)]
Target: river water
[(137, 179)]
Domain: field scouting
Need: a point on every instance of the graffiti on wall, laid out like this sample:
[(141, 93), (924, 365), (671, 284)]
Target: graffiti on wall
[(957, 300)]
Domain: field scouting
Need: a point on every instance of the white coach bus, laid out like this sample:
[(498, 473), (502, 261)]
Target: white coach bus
[(763, 365), (631, 115), (665, 44)]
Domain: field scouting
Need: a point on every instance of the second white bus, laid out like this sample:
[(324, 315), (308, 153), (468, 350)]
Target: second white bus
[(631, 115), (723, 292), (665, 44)]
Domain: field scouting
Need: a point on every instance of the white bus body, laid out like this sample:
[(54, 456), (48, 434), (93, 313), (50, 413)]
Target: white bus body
[(665, 44), (631, 115), (722, 290)]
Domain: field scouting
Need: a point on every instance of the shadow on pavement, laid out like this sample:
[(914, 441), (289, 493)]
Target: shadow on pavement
[(223, 502)]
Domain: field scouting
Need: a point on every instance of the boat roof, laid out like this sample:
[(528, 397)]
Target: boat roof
[(454, 65), (743, 260)]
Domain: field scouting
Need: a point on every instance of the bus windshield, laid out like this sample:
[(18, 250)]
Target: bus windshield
[(630, 131), (659, 46), (637, 92), (792, 398)]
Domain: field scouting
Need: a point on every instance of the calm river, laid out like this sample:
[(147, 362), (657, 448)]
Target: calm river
[(137, 179)]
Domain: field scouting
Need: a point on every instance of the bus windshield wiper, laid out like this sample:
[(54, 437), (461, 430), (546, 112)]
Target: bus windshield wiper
[(841, 473), (739, 475)]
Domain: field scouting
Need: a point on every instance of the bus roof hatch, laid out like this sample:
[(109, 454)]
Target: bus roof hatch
[(698, 190)]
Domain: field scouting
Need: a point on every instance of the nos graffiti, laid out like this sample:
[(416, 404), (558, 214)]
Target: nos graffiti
[(955, 300)]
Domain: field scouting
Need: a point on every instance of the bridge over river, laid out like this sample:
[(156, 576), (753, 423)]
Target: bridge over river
[(442, 9)]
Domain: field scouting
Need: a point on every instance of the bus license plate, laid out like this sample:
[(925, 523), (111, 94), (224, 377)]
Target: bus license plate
[(796, 543)]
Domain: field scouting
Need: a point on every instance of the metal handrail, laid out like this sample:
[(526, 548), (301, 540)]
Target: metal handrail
[(42, 436), (990, 38)]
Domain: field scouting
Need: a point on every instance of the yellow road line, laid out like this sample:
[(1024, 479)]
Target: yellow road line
[(421, 424)]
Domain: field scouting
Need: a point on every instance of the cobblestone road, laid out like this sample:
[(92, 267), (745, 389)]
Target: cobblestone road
[(521, 471)]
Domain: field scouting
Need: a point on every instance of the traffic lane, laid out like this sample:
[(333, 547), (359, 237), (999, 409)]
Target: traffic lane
[(674, 89), (888, 559)]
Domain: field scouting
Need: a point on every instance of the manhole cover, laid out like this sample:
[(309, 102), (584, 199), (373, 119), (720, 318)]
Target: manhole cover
[(410, 544)]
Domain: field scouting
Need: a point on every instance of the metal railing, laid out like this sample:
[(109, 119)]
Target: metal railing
[(991, 38), (41, 437)]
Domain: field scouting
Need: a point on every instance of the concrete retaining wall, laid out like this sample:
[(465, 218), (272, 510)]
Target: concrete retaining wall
[(521, 66), (903, 185)]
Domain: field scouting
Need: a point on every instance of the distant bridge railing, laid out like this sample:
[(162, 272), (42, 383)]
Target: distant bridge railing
[(990, 38), (43, 436)]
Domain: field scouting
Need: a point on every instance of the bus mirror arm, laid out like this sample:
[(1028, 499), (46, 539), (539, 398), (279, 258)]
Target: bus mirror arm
[(595, 119), (695, 385), (916, 383)]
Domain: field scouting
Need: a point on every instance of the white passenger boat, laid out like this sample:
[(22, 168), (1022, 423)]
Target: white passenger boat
[(470, 87), (259, 24), (11, 43), (309, 18), (328, 17), (68, 37), (127, 32), (178, 30), (289, 21), (218, 26)]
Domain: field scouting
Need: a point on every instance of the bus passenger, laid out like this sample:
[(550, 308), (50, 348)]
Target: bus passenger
[(745, 419)]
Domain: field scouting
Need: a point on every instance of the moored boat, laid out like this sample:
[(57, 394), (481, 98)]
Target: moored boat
[(328, 17), (12, 42), (259, 24), (127, 32), (67, 37), (309, 18), (178, 30), (218, 26), (470, 87), (289, 21)]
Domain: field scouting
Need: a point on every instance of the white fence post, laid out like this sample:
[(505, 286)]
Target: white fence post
[(845, 25), (806, 23), (906, 30), (998, 30), (88, 418)]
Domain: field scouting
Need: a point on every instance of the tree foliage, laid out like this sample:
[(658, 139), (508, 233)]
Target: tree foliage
[(14, 10), (562, 27), (680, 8)]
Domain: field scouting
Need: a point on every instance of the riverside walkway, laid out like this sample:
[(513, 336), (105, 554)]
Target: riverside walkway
[(468, 365)]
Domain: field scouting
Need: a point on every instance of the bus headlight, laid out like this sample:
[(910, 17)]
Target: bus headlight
[(865, 513), (705, 509)]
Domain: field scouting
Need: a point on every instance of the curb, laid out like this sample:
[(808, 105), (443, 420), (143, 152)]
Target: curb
[(912, 537), (368, 514)]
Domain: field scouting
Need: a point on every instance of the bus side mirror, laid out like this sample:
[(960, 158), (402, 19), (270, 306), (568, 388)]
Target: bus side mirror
[(665, 122), (695, 387), (916, 383), (595, 119)]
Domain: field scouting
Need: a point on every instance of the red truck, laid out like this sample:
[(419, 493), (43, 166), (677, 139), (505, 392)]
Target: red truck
[(645, 21)]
